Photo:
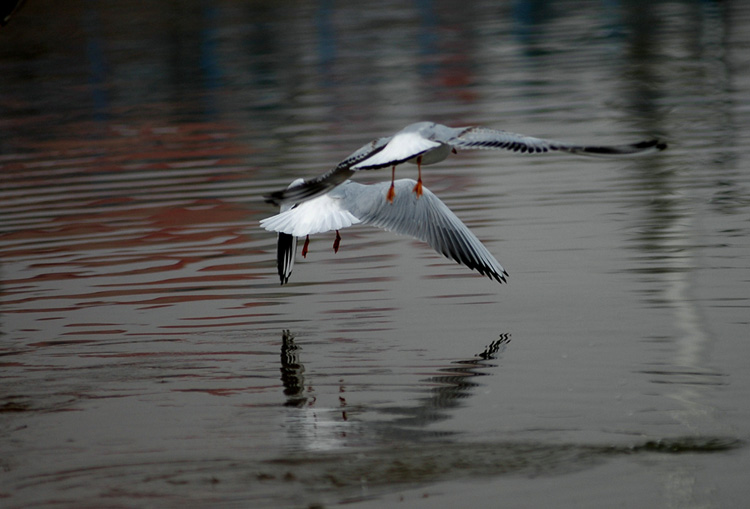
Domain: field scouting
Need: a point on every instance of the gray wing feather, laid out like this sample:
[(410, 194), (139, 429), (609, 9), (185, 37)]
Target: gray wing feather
[(426, 218), (365, 151), (484, 138), (324, 183)]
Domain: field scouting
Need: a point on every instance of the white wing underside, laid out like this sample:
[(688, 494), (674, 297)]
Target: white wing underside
[(430, 220)]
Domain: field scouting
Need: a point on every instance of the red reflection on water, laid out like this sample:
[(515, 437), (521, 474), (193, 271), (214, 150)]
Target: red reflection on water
[(42, 344), (129, 217)]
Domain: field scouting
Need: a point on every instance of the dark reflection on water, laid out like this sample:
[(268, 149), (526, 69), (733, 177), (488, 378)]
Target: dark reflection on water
[(311, 429), (139, 346), (449, 388)]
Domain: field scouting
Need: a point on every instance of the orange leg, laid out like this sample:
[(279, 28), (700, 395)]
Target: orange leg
[(418, 187), (392, 190), (304, 248), (336, 242)]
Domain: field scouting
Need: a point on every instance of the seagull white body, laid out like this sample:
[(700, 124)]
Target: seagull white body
[(406, 146), (425, 143), (427, 219)]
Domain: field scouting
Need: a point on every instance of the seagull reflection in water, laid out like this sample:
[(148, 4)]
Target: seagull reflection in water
[(317, 428)]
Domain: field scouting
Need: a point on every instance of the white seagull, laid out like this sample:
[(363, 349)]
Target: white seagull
[(428, 143), (427, 219)]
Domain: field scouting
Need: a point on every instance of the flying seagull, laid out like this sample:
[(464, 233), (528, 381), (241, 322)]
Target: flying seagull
[(427, 219), (428, 143)]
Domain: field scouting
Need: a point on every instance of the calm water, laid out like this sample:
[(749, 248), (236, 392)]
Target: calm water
[(149, 356)]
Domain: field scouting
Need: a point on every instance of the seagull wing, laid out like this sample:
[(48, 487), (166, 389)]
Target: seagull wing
[(364, 152), (317, 186), (484, 138), (426, 218)]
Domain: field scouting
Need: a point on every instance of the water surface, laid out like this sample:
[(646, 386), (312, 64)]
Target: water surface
[(148, 352)]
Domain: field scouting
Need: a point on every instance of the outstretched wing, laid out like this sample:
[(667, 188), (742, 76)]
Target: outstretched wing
[(324, 183), (364, 152), (428, 219), (484, 138)]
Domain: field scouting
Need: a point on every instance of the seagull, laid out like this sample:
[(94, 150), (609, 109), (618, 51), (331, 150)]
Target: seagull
[(427, 219), (429, 143)]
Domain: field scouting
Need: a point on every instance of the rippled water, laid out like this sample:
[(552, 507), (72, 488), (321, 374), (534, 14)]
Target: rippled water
[(150, 356)]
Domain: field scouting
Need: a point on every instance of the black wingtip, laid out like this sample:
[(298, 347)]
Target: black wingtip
[(284, 195), (642, 147), (301, 192), (500, 278), (273, 198)]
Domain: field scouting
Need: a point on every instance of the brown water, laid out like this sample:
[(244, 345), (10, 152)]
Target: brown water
[(149, 356)]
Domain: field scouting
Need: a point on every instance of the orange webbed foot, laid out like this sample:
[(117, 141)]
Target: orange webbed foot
[(418, 188), (391, 193)]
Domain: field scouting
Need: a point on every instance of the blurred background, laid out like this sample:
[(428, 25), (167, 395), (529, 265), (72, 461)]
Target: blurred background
[(148, 352)]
